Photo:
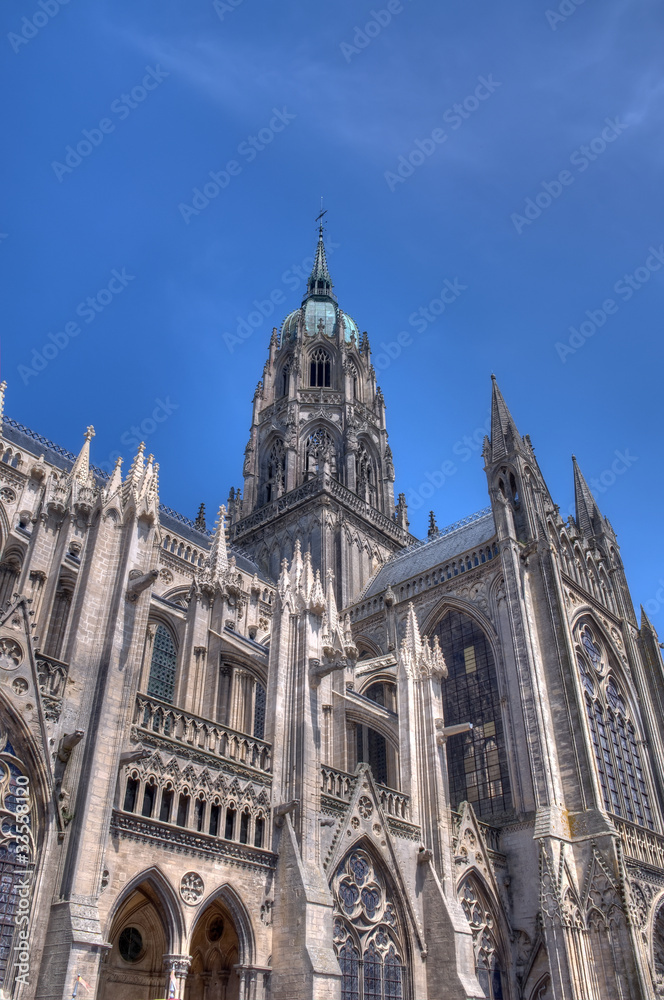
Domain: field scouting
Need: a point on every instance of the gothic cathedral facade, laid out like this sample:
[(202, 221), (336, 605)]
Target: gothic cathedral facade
[(305, 755)]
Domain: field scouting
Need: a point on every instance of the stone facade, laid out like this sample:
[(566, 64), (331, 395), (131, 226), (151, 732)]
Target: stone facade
[(306, 755)]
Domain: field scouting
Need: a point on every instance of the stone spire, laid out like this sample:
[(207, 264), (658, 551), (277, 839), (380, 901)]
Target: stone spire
[(319, 282), (646, 623), (505, 438), (218, 552), (200, 518), (433, 527), (588, 517), (81, 467), (115, 481), (417, 655)]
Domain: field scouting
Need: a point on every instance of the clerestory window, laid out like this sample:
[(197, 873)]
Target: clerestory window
[(162, 668), (477, 760)]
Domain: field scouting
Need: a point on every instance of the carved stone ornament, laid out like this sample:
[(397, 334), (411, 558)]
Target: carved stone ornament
[(365, 807), (191, 888), (7, 495), (11, 654)]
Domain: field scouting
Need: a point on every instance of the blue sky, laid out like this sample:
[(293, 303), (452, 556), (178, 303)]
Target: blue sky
[(538, 199)]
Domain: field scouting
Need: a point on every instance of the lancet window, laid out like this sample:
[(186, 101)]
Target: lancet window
[(275, 472), (319, 451), (9, 573), (320, 369), (367, 933), (487, 961), (477, 760), (365, 476), (161, 683), (614, 734), (59, 618), (285, 379)]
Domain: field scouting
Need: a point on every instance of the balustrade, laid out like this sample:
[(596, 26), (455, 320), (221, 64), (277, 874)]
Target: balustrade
[(640, 844), (340, 785), (157, 716)]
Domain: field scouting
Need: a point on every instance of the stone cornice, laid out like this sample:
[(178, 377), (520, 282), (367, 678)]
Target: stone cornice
[(181, 841)]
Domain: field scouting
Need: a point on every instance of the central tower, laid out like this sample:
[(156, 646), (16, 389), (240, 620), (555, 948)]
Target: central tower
[(318, 466)]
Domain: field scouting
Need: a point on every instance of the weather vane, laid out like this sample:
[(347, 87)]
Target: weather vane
[(319, 217)]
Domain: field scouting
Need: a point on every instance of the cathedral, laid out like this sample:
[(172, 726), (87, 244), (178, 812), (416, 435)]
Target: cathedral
[(305, 755)]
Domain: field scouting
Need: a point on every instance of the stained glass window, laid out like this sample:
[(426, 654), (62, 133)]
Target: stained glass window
[(373, 974), (617, 754), (259, 712), (482, 923), (162, 669), (366, 925), (349, 963), (477, 761)]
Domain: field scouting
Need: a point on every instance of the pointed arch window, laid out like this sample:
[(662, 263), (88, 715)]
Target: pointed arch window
[(476, 761), (285, 378), (488, 964), (614, 736), (259, 711), (365, 476), (275, 471), (161, 683), (367, 933), (319, 450), (320, 369)]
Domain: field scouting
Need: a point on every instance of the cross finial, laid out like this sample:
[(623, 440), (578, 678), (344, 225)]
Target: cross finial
[(89, 433), (319, 217)]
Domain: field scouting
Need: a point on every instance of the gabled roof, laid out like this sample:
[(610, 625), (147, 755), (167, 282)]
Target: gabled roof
[(426, 555)]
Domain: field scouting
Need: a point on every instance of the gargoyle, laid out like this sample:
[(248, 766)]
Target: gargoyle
[(280, 812), (134, 756), (137, 584), (62, 755), (319, 669)]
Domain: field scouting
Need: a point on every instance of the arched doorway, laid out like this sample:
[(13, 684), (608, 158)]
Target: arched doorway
[(215, 950), (140, 937)]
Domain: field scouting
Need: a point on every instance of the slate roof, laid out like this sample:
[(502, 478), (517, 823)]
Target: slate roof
[(420, 558)]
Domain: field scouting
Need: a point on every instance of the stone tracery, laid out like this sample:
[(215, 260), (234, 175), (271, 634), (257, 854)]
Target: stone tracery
[(367, 934)]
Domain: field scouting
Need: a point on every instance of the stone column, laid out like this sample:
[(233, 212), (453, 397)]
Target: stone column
[(179, 964)]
